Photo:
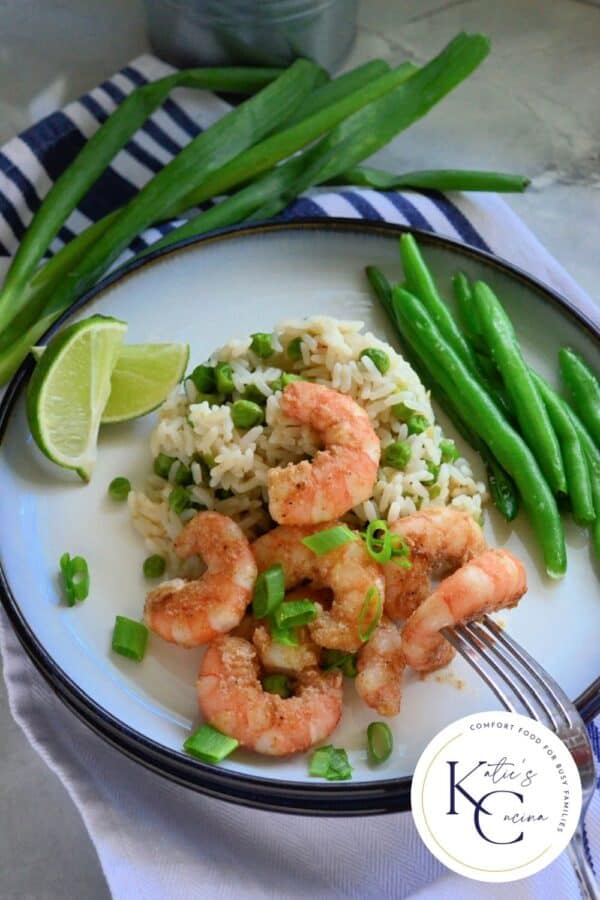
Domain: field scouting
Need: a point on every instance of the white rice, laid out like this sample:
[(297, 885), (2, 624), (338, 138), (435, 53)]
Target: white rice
[(189, 430)]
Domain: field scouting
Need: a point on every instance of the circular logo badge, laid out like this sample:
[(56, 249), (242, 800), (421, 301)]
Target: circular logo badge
[(496, 796)]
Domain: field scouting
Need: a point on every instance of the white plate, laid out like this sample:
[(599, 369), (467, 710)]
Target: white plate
[(207, 293)]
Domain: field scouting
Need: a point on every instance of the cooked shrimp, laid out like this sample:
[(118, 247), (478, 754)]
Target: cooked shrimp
[(284, 658), (340, 476), (190, 613), (348, 571), (232, 700), (380, 668), (440, 541), (493, 580)]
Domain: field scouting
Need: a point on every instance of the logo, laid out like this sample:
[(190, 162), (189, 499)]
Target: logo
[(496, 796)]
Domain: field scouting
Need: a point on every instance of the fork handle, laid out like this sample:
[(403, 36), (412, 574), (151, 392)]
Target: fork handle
[(587, 882)]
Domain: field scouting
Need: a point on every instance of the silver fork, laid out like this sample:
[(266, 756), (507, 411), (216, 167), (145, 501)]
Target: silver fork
[(522, 686)]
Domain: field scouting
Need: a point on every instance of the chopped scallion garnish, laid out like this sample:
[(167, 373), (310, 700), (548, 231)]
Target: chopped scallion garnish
[(380, 742), (76, 578), (378, 539), (269, 591), (129, 638), (295, 613), (339, 659), (331, 763), (370, 614), (286, 636), (277, 684), (325, 541), (210, 745)]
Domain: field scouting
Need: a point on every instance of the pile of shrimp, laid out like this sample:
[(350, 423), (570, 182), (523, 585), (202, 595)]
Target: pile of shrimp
[(304, 498)]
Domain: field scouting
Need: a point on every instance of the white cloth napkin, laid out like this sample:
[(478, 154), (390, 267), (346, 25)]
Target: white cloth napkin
[(158, 841)]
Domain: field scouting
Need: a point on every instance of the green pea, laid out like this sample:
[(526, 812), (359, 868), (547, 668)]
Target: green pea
[(211, 399), (277, 684), (154, 566), (402, 412), (119, 488), (294, 349), (434, 491), (254, 394), (417, 424), (449, 451), (262, 344), (283, 380), (378, 357), (245, 414), (203, 378), (182, 475), (162, 465), (224, 378), (396, 455), (179, 499), (223, 494), (433, 468)]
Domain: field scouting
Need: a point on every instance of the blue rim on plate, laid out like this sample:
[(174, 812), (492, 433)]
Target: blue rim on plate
[(342, 799)]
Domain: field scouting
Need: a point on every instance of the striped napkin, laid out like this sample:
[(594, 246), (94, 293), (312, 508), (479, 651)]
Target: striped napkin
[(156, 839)]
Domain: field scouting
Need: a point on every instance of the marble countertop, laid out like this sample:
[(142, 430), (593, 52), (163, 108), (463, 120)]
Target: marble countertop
[(531, 108)]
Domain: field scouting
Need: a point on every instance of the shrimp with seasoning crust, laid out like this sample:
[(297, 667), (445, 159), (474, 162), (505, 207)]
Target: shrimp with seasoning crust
[(285, 658), (380, 668), (233, 700), (348, 571), (190, 613), (440, 540), (493, 580), (340, 476)]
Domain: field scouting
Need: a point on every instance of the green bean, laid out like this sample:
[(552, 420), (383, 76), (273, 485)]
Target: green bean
[(502, 490), (584, 388), (466, 310), (434, 179), (576, 469), (487, 420), (593, 458), (96, 154), (529, 408)]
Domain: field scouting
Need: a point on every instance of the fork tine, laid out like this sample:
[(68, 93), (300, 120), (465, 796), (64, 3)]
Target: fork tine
[(546, 681), (510, 670), (464, 646)]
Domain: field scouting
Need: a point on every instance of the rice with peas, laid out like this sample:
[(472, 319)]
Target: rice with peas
[(218, 466)]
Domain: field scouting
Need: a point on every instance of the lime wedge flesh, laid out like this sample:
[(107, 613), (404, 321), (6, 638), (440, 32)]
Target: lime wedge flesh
[(142, 378), (69, 389)]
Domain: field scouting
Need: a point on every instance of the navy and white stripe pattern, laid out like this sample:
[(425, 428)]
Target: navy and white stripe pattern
[(31, 162)]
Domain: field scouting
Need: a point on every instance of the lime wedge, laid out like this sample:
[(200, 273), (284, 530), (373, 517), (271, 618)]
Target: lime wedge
[(69, 389), (142, 378)]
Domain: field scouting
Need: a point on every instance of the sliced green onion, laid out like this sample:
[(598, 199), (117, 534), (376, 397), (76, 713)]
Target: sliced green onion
[(379, 358), (378, 539), (210, 745), (294, 349), (119, 488), (162, 465), (262, 344), (325, 541), (129, 638), (245, 414), (339, 659), (182, 475), (396, 455), (76, 578), (154, 566), (380, 742), (295, 613), (449, 451), (417, 424), (204, 379), (179, 499), (224, 378), (286, 636), (269, 591), (277, 684), (372, 599), (330, 763)]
